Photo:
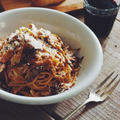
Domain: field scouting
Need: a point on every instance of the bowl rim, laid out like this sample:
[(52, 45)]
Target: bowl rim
[(61, 96)]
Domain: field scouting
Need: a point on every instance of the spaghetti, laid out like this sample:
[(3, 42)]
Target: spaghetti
[(35, 62)]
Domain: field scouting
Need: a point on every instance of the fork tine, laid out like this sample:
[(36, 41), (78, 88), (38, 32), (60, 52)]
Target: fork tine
[(103, 82), (102, 90), (111, 90), (112, 81)]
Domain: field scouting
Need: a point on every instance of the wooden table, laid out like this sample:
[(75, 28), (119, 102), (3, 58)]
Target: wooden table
[(108, 110)]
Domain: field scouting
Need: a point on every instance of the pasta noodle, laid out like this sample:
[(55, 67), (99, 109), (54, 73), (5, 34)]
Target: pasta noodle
[(35, 62)]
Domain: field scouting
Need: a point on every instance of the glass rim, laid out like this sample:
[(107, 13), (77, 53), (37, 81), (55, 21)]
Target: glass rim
[(102, 10)]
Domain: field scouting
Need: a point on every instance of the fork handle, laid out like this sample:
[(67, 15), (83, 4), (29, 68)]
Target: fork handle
[(76, 109)]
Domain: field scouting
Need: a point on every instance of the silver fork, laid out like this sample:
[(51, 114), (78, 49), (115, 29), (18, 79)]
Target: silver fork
[(98, 94)]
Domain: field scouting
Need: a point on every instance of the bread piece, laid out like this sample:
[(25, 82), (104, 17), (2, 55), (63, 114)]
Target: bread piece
[(46, 2)]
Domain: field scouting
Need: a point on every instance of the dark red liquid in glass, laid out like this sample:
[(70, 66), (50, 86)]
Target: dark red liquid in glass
[(101, 25)]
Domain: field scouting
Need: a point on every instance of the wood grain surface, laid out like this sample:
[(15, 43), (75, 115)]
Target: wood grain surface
[(67, 5), (118, 16), (108, 110)]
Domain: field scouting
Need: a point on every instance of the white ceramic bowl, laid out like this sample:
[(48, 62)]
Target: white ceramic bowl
[(72, 31)]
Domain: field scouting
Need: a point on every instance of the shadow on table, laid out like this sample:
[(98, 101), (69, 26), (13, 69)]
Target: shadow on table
[(13, 111), (50, 109)]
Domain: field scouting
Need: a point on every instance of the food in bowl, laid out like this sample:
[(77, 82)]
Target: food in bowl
[(35, 62)]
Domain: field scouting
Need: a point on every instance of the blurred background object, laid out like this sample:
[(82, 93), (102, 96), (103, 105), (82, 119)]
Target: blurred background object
[(46, 2), (64, 6)]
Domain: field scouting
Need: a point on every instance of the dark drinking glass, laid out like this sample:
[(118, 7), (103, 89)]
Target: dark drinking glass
[(100, 15)]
